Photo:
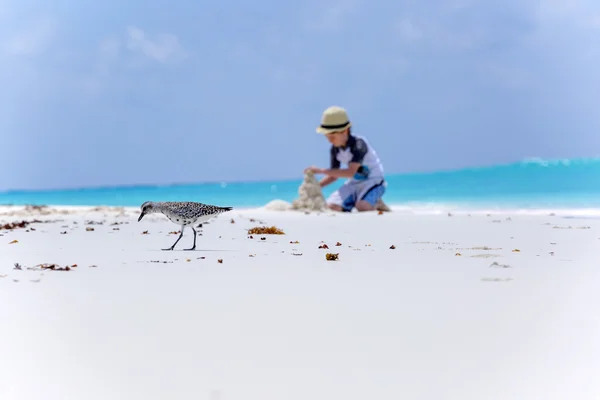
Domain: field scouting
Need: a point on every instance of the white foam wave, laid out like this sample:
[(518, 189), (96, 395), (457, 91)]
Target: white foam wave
[(558, 161), (444, 209), (441, 209)]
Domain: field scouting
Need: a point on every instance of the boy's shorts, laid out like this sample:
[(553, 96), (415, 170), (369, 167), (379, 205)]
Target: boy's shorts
[(351, 192)]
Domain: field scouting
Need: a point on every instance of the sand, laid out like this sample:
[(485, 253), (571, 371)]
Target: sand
[(454, 311)]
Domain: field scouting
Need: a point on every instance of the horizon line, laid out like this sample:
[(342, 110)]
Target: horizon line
[(528, 160)]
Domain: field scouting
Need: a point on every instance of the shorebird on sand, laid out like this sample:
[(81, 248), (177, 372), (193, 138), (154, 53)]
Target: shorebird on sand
[(183, 213)]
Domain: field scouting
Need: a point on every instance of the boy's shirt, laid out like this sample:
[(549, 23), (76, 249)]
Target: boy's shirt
[(358, 150)]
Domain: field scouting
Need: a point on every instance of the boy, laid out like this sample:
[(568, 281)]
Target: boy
[(365, 185)]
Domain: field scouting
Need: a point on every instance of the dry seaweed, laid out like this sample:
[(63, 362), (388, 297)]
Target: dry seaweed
[(264, 230), (55, 267), (33, 207), (18, 224), (332, 256)]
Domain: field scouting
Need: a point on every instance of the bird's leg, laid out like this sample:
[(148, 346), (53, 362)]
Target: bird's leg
[(180, 236), (194, 246)]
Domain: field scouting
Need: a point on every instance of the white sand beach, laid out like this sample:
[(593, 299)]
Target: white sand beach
[(498, 307)]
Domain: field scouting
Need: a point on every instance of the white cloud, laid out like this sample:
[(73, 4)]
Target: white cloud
[(32, 39), (112, 51), (164, 48)]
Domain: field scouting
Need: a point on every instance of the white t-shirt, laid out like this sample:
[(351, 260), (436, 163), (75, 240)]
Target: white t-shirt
[(358, 150)]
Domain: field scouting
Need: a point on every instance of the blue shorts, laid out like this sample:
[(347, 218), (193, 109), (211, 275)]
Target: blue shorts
[(349, 194)]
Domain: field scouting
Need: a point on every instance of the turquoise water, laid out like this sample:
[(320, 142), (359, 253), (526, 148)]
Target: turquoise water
[(532, 184)]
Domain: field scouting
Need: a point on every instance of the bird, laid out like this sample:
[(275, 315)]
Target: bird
[(183, 213)]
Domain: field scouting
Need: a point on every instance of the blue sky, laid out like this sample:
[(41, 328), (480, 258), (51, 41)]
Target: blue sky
[(109, 93)]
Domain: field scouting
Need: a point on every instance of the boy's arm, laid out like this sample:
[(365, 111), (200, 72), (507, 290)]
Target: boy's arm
[(334, 165), (327, 180)]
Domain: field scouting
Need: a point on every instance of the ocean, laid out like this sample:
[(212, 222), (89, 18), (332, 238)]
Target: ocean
[(534, 184)]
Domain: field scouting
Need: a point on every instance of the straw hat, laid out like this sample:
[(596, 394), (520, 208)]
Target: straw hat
[(334, 119)]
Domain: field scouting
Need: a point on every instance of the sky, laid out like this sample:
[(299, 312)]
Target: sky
[(157, 92)]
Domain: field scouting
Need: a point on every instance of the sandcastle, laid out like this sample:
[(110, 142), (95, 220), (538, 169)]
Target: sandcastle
[(310, 198), (310, 195)]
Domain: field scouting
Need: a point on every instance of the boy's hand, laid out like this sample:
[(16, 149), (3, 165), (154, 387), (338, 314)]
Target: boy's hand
[(314, 170)]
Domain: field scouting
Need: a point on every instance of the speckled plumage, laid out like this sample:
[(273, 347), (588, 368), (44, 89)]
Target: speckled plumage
[(183, 213)]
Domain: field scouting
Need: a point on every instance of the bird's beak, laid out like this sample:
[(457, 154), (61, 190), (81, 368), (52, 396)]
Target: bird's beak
[(141, 216)]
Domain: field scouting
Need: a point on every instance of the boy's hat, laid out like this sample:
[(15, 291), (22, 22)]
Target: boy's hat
[(334, 119)]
